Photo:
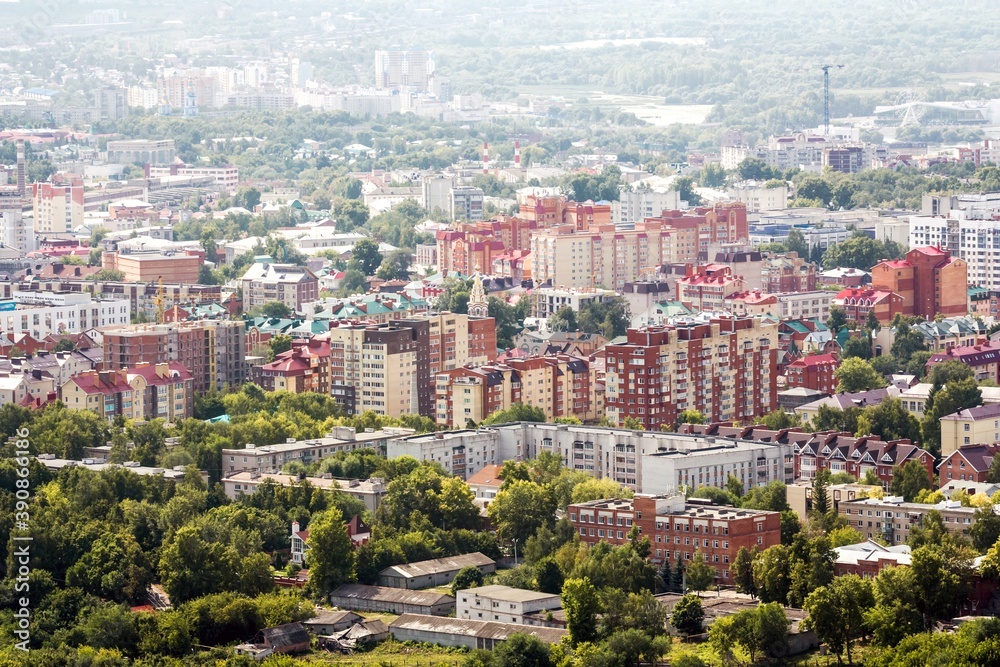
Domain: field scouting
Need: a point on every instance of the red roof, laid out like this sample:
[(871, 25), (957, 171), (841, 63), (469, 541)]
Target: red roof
[(814, 360), (177, 373)]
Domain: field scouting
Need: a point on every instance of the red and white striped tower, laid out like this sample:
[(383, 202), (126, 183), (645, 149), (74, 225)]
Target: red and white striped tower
[(486, 157), (517, 154)]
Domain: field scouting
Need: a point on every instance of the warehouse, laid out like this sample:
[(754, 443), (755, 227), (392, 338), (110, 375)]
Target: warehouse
[(358, 597), (436, 572), (462, 632)]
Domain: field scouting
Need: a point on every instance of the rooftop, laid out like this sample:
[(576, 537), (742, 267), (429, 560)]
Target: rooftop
[(509, 594), (436, 565), (470, 628)]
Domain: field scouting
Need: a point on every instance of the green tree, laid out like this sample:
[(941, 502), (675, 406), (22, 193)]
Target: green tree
[(521, 650), (580, 602), (396, 265), (468, 577), (276, 310), (771, 574), (743, 571), (349, 214), (909, 480), (690, 417), (331, 557), (955, 395), (520, 509), (837, 319), (365, 257), (278, 344), (699, 573), (855, 375), (688, 615), (115, 568), (837, 612), (518, 412), (890, 421), (563, 319)]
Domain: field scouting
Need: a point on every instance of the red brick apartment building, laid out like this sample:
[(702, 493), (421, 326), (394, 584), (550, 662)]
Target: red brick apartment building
[(930, 282), (678, 529), (726, 369), (817, 372), (970, 463)]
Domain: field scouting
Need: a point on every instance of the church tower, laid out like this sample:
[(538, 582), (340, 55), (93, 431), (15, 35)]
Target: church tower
[(477, 299)]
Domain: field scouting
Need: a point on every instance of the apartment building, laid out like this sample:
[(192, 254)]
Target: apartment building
[(970, 235), (291, 285), (726, 368), (503, 604), (547, 209), (972, 426), (466, 203), (143, 151), (930, 281), (369, 491), (695, 231), (835, 452), (547, 301), (462, 453), (968, 463), (678, 529), (40, 314), (410, 69), (146, 392), (227, 177), (383, 368), (635, 204), (891, 519), (706, 288), (214, 351), (938, 335), (271, 458), (984, 359), (559, 385), (787, 273), (15, 231), (816, 372), (304, 368), (857, 302), (58, 209), (152, 267)]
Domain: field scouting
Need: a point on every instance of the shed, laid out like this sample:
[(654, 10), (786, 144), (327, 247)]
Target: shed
[(462, 632), (436, 572), (328, 622), (287, 638), (359, 597)]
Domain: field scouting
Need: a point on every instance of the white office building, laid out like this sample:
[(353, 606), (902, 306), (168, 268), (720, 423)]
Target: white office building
[(502, 603), (40, 314)]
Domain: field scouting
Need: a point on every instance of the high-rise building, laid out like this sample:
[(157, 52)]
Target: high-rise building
[(300, 72), (725, 368), (636, 204), (930, 282), (58, 209), (142, 151), (15, 231), (382, 368), (396, 69), (214, 351), (466, 203)]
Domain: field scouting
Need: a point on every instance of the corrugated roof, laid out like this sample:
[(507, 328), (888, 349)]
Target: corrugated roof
[(392, 595), (470, 628), (427, 567)]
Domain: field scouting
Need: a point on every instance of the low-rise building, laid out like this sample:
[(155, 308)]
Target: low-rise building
[(678, 529), (41, 314), (369, 491), (434, 572), (857, 302), (984, 359), (271, 458), (471, 634), (866, 559), (502, 603), (816, 372), (971, 426), (152, 267), (265, 282), (891, 519), (145, 392), (380, 599), (968, 463)]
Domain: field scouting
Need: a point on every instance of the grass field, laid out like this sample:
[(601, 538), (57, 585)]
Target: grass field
[(393, 654)]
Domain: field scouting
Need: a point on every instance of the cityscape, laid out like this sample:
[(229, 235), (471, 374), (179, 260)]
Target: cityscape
[(412, 333)]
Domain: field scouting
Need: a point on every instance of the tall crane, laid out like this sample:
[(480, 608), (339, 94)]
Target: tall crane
[(826, 95)]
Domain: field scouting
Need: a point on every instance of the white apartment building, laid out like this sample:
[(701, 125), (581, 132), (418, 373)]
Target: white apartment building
[(369, 491), (42, 313), (270, 459), (802, 305), (636, 204), (972, 235), (502, 603), (546, 301), (645, 461), (758, 198)]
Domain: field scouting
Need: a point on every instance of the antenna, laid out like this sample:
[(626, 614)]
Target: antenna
[(826, 96), (517, 154)]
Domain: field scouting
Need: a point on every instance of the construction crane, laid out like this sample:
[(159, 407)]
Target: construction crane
[(826, 95), (160, 302)]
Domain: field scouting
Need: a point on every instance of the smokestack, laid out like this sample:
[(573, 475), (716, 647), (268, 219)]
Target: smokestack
[(20, 166), (486, 157), (517, 154)]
